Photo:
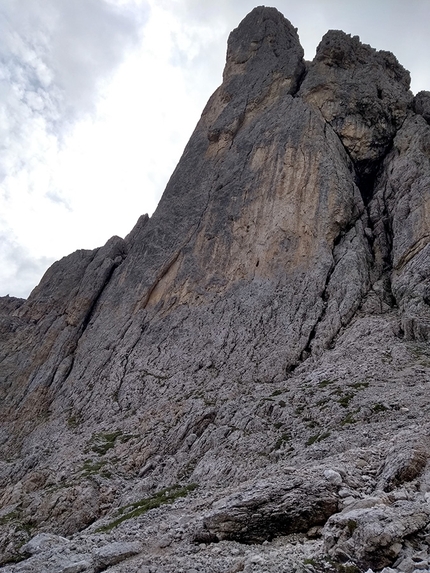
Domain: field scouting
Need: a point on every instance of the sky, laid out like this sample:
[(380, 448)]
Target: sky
[(98, 99)]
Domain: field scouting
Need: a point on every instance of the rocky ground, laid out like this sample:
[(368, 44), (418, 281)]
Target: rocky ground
[(336, 479)]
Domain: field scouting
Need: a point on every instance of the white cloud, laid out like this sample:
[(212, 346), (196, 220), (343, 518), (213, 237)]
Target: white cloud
[(55, 58), (99, 97)]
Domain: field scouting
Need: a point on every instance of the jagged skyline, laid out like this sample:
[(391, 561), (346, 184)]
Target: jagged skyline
[(99, 99)]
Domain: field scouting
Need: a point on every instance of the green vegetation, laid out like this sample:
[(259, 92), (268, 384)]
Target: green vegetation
[(349, 419), (276, 392), (379, 407), (9, 517), (359, 385), (282, 440), (95, 468), (102, 442), (324, 564), (164, 496), (317, 438), (325, 383), (420, 352), (345, 399), (23, 523), (73, 421)]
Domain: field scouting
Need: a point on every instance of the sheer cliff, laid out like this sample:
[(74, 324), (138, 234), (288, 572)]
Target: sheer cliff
[(260, 342)]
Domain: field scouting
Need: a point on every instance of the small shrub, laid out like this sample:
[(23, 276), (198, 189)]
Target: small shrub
[(9, 517), (282, 440), (346, 399), (92, 468), (73, 421), (379, 407), (325, 383), (317, 438), (276, 393), (103, 442), (349, 419), (164, 496), (359, 385)]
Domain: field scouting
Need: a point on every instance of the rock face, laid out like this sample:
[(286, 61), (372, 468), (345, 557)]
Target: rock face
[(273, 312)]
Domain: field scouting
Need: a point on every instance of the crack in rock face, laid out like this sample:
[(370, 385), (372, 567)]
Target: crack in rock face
[(263, 336)]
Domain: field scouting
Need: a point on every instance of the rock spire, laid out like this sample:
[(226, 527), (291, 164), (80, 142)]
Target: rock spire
[(259, 346)]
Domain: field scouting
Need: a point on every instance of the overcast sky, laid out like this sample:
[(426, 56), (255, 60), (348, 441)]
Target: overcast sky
[(99, 97)]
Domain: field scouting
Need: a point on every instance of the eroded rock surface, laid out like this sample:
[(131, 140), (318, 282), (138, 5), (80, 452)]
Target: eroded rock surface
[(250, 365)]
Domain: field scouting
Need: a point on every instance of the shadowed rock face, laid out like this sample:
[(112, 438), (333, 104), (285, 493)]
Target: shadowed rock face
[(299, 208)]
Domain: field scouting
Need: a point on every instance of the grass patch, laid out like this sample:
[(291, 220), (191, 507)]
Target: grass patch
[(91, 468), (282, 440), (73, 421), (19, 522), (317, 438), (9, 517), (345, 399), (104, 441), (379, 407), (310, 561), (324, 564), (349, 419), (164, 496), (276, 392), (325, 383), (359, 385)]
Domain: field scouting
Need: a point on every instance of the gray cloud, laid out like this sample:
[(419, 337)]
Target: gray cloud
[(55, 53), (57, 56), (19, 268)]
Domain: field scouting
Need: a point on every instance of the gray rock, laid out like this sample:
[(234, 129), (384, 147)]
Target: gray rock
[(404, 463), (43, 542), (268, 509), (113, 553), (363, 94), (373, 536), (422, 104), (333, 477)]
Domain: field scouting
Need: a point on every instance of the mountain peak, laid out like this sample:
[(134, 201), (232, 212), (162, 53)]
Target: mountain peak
[(265, 43), (263, 336)]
